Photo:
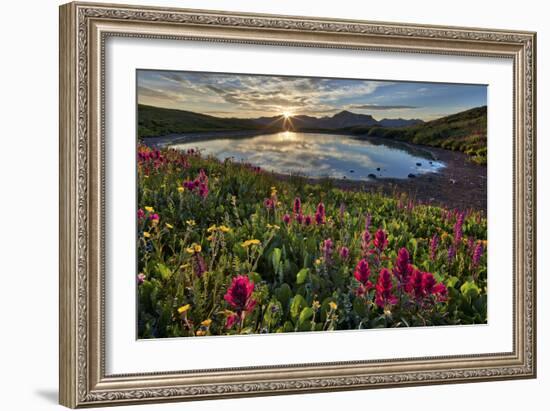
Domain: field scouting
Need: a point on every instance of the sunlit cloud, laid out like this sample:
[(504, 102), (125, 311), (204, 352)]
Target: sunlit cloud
[(246, 96)]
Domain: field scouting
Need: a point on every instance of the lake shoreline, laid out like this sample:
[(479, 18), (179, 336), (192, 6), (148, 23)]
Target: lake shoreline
[(460, 184)]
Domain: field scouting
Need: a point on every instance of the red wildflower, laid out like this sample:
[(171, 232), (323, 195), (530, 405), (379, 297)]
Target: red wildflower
[(320, 214), (384, 290), (231, 320), (140, 214), (297, 209), (344, 253), (362, 273), (239, 294), (402, 269), (380, 240)]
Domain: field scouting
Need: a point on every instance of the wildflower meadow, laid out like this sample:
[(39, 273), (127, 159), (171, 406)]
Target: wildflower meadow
[(227, 248)]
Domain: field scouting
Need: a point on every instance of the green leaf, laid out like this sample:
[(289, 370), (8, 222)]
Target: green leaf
[(451, 282), (298, 302), (276, 258), (306, 315), (283, 294), (469, 289), (302, 275), (164, 271)]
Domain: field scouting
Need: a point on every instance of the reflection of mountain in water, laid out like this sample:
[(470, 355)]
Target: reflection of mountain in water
[(321, 155)]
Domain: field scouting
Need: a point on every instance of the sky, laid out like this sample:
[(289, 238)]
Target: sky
[(251, 96)]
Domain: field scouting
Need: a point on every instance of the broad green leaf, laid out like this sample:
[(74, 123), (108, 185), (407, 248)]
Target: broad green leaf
[(306, 314), (276, 258), (284, 293), (164, 271), (469, 289), (302, 275), (451, 282), (298, 302)]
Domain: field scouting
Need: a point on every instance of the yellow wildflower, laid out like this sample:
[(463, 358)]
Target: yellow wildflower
[(170, 226), (248, 243), (191, 223), (317, 262), (200, 333), (212, 228), (146, 234), (149, 209), (184, 308), (333, 305), (316, 305), (181, 189), (273, 226), (195, 248), (224, 229), (210, 238), (207, 322)]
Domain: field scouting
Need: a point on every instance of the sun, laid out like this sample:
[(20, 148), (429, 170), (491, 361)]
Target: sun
[(287, 114)]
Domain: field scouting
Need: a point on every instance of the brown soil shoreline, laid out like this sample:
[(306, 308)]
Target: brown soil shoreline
[(461, 184)]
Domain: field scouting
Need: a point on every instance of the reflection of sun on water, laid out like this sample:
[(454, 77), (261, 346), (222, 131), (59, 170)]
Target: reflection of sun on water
[(287, 136)]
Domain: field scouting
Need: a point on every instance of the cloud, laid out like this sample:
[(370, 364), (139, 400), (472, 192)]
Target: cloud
[(246, 94), (380, 107)]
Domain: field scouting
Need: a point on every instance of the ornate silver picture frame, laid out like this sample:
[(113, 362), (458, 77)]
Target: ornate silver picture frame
[(84, 29)]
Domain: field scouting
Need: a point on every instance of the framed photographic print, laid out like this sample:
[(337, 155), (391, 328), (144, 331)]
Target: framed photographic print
[(257, 204)]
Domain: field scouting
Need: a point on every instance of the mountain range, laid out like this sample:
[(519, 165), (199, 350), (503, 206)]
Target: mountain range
[(465, 131), (157, 121)]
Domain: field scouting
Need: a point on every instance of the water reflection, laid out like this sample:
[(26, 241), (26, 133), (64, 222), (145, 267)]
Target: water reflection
[(321, 155)]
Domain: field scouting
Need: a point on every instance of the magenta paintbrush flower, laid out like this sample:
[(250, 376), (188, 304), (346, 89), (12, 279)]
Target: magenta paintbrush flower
[(140, 214), (297, 208), (384, 290), (432, 287), (154, 217), (320, 214), (308, 220), (286, 219), (380, 240), (344, 253), (415, 286), (403, 269), (239, 294), (362, 274)]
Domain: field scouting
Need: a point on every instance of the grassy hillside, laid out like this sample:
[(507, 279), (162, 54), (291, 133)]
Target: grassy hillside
[(465, 131), (157, 121)]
